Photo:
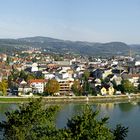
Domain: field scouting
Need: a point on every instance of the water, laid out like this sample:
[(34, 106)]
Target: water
[(128, 114)]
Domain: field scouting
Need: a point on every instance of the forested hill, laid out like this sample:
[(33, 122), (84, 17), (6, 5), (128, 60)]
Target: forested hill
[(66, 46)]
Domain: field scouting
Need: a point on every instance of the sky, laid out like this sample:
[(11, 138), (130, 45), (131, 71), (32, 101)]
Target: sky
[(83, 20)]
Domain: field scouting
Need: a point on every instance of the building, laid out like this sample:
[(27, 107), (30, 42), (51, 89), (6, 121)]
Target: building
[(65, 85), (37, 85)]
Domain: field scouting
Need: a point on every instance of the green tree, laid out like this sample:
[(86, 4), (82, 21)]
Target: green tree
[(139, 87), (8, 60), (23, 75), (86, 126), (30, 76), (128, 86), (120, 132), (3, 87), (76, 88), (52, 87), (86, 75), (120, 88), (32, 121)]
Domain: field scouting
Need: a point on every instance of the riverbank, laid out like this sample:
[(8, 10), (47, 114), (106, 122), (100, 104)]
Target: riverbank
[(96, 99)]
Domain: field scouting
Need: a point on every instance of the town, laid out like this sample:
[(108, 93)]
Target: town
[(34, 72)]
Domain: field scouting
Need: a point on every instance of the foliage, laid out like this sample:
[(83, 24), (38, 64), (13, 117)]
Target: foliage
[(3, 87), (52, 87), (30, 77), (86, 75), (86, 86), (29, 122), (120, 132), (60, 46), (32, 121), (127, 86), (139, 87), (86, 126), (120, 88), (76, 88), (22, 74)]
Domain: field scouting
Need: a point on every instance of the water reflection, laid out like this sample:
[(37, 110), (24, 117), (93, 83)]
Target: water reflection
[(107, 106), (125, 113), (126, 107), (6, 107)]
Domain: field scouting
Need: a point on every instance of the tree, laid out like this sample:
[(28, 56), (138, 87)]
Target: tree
[(23, 75), (86, 126), (86, 75), (128, 86), (76, 88), (86, 86), (8, 60), (31, 121), (139, 87), (120, 88), (30, 76), (52, 86), (3, 87), (120, 132)]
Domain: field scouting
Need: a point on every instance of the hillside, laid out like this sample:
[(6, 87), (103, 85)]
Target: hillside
[(65, 46)]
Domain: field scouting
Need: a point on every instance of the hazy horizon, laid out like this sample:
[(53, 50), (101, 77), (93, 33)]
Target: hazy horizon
[(72, 40)]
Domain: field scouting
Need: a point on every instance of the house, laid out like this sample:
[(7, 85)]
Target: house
[(97, 73), (37, 85), (96, 82), (107, 90), (103, 91), (52, 66), (34, 67), (63, 63), (24, 88), (70, 72), (111, 90), (5, 70), (106, 73), (48, 75), (117, 79), (62, 74), (134, 79), (3, 57)]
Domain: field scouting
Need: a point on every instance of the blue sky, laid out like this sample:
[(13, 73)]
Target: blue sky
[(88, 20)]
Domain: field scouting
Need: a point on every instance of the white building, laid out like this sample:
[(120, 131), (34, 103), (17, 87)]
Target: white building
[(34, 67), (37, 85)]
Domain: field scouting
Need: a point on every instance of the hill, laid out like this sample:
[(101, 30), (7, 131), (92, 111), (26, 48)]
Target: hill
[(66, 46)]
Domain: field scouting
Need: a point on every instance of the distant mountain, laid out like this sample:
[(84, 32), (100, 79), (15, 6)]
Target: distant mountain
[(66, 46)]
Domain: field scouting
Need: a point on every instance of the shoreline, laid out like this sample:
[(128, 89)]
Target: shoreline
[(65, 99)]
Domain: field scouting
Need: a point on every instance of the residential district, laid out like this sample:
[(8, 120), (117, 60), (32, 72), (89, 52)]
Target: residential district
[(33, 72)]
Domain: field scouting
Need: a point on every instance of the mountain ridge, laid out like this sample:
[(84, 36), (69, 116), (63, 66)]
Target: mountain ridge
[(67, 46)]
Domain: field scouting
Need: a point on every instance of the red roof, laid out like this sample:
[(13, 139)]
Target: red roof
[(37, 81), (133, 75)]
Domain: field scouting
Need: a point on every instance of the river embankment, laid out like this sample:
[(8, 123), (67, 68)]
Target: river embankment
[(49, 99)]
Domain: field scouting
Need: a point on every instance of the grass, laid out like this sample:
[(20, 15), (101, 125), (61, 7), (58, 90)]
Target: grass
[(13, 100), (6, 99)]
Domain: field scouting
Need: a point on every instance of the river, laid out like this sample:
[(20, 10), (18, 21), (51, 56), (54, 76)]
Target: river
[(127, 114)]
